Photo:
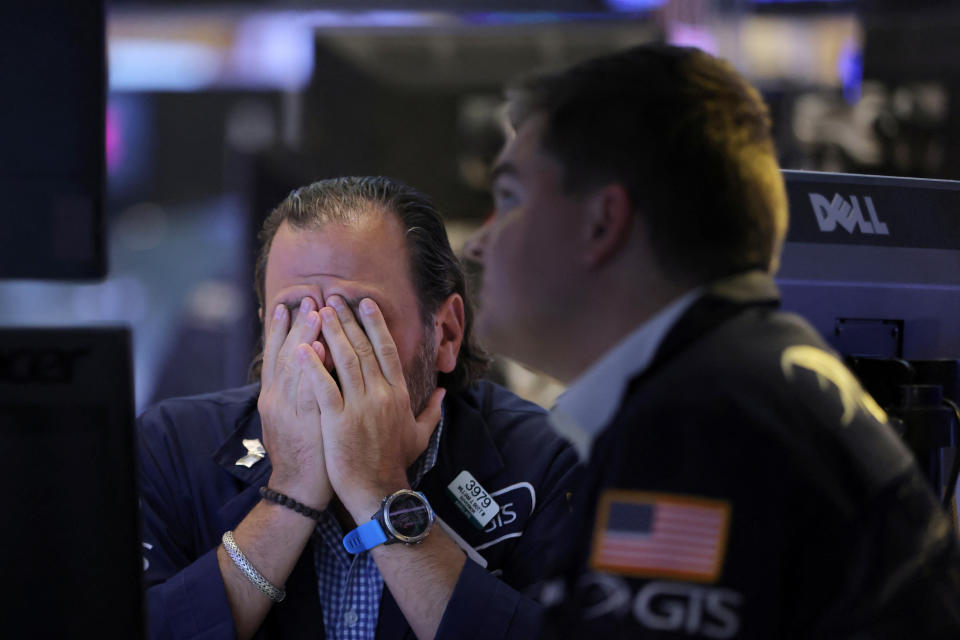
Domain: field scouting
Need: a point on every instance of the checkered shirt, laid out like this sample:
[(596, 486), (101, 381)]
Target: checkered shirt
[(351, 586)]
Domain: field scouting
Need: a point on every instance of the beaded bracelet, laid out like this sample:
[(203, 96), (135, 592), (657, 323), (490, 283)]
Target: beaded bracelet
[(286, 501)]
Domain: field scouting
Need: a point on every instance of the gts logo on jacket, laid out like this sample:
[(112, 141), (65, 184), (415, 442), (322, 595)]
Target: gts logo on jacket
[(847, 214), (517, 502), (696, 610)]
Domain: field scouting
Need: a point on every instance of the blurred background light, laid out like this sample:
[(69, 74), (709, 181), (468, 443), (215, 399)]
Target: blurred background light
[(162, 65), (850, 70), (320, 19), (635, 5)]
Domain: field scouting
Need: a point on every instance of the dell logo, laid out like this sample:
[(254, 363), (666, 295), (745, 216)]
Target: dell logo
[(847, 214)]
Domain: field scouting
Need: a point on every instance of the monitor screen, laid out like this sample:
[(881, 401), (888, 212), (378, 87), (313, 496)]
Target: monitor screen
[(52, 167), (874, 263), (71, 557)]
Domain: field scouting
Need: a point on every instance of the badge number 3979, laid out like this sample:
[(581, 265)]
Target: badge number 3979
[(472, 499)]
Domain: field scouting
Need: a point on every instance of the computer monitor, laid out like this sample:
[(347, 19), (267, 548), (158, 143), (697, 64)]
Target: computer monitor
[(70, 552), (52, 162), (874, 263)]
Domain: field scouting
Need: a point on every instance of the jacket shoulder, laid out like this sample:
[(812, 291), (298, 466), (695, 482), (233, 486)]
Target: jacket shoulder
[(204, 420), (489, 397), (509, 417), (747, 348)]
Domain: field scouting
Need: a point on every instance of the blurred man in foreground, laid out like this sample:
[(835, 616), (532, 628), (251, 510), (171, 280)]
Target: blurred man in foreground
[(741, 483), (272, 509)]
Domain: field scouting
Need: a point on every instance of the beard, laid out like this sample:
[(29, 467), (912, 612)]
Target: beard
[(421, 375)]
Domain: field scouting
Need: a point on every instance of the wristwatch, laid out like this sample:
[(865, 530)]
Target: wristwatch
[(404, 516)]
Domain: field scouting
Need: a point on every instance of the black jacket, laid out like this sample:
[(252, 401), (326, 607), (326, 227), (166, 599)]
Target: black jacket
[(824, 526), (192, 491)]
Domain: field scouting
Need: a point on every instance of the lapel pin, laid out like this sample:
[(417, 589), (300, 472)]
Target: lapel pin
[(255, 453)]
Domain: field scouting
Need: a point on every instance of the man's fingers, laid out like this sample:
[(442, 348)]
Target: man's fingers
[(358, 339), (383, 345), (345, 358), (272, 341), (318, 379), (429, 418), (306, 400), (304, 329), (289, 384), (324, 354)]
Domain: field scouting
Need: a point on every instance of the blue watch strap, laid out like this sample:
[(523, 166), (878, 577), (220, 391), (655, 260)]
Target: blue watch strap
[(366, 536)]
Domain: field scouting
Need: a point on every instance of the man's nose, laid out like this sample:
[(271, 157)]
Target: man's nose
[(474, 247)]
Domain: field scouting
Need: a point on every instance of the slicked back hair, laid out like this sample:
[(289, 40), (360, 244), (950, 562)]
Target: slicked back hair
[(434, 268), (687, 137)]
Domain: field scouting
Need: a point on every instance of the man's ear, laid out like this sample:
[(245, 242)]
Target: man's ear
[(608, 223), (260, 314), (448, 327)]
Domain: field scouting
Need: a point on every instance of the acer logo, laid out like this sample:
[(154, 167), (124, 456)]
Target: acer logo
[(43, 366), (848, 214)]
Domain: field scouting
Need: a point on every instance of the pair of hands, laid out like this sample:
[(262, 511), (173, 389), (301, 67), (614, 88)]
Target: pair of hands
[(354, 440)]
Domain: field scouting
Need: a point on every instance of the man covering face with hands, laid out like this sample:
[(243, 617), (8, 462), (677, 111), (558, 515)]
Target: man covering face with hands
[(368, 486)]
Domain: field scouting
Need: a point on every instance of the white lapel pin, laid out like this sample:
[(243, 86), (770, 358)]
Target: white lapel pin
[(255, 453)]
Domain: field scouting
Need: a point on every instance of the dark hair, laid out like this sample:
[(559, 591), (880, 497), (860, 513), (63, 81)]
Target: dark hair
[(687, 137), (435, 270)]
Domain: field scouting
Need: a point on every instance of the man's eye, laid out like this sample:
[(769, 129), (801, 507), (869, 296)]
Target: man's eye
[(504, 199)]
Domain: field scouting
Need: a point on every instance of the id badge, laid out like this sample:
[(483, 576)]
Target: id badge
[(472, 499)]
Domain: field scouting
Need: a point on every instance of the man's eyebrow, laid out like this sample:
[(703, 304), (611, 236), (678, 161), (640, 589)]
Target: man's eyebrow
[(503, 168)]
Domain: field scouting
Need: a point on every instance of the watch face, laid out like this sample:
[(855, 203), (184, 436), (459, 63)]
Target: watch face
[(408, 516)]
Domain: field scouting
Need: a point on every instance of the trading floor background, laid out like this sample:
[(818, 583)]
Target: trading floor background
[(215, 110)]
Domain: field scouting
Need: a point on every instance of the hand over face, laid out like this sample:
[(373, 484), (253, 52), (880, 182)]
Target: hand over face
[(370, 434), (289, 412)]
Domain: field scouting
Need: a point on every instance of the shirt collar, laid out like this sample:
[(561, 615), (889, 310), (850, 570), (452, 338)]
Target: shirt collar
[(428, 459), (591, 400)]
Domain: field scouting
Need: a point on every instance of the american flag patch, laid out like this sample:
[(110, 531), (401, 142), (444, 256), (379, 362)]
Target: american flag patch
[(660, 535)]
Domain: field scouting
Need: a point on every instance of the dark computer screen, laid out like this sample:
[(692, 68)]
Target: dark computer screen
[(53, 65), (69, 544)]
